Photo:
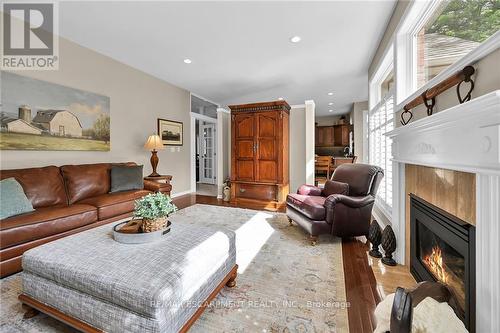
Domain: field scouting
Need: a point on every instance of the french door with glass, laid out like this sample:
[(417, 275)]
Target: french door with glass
[(207, 154)]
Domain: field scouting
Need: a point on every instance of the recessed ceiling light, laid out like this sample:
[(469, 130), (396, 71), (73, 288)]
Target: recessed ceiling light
[(330, 110), (187, 61), (295, 39), (280, 98), (330, 94), (330, 103)]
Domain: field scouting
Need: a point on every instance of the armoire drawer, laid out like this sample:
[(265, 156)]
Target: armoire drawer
[(256, 191)]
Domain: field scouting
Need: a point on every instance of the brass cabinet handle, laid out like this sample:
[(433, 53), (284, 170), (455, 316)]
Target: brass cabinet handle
[(242, 190)]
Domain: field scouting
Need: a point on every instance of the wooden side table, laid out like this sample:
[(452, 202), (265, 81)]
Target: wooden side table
[(163, 181)]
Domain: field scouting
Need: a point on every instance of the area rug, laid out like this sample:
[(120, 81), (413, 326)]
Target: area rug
[(284, 284)]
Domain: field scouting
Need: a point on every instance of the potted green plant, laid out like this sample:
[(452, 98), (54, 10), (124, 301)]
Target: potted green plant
[(154, 209)]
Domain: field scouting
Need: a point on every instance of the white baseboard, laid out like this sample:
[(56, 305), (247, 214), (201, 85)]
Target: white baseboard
[(181, 194)]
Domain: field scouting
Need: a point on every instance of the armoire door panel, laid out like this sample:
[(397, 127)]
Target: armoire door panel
[(266, 149), (245, 170), (245, 149), (267, 125), (268, 171), (245, 126)]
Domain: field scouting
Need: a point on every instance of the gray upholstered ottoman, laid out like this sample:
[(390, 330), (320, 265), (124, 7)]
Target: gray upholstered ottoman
[(94, 283)]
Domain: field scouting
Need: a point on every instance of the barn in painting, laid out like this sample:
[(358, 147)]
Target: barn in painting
[(59, 122)]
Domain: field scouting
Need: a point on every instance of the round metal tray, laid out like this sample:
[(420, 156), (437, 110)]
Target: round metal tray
[(140, 238)]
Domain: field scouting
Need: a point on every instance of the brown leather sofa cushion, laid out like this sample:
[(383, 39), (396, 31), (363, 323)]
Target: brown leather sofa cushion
[(113, 204), (86, 180), (43, 186), (311, 206), (44, 222)]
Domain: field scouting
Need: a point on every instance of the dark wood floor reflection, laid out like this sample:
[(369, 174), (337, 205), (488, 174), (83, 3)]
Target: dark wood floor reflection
[(367, 280), (361, 286)]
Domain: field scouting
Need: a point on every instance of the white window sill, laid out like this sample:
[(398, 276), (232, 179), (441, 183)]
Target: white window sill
[(382, 215)]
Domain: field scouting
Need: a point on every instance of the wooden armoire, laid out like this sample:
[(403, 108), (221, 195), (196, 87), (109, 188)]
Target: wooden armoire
[(260, 154)]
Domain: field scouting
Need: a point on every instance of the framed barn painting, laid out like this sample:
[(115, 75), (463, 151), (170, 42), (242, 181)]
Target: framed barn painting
[(170, 132), (39, 115)]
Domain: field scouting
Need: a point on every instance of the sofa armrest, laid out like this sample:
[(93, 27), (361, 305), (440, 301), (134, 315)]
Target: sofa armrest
[(309, 190), (152, 186), (353, 202)]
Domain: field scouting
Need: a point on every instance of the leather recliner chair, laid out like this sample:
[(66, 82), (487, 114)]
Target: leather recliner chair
[(342, 208)]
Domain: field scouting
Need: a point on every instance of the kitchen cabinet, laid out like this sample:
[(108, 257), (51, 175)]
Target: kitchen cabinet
[(341, 135), (324, 136), (332, 136)]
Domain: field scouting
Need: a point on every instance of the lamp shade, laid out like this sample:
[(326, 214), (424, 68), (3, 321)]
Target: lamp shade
[(154, 143)]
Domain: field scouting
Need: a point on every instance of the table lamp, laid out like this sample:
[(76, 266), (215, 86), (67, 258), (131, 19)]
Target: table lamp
[(154, 143)]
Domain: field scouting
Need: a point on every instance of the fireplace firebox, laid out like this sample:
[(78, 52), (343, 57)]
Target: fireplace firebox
[(442, 249)]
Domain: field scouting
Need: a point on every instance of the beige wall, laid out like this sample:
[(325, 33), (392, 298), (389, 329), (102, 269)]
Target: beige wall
[(310, 128), (301, 145), (223, 158), (136, 101), (357, 121), (328, 120), (398, 12), (297, 147)]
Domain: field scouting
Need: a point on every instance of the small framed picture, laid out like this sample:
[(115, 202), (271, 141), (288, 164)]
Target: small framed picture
[(170, 132)]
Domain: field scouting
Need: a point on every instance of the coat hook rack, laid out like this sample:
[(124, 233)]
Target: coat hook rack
[(428, 97)]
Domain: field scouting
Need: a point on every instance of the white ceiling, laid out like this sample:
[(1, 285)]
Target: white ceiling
[(240, 51)]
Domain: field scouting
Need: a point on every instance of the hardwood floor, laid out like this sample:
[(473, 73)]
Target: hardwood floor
[(367, 280), (191, 199)]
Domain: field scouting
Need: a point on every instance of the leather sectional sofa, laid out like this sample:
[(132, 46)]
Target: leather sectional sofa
[(67, 200)]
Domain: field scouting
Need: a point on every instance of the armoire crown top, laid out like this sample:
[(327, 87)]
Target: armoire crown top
[(263, 106)]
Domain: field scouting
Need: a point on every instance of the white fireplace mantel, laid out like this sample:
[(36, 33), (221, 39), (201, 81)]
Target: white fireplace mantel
[(465, 138)]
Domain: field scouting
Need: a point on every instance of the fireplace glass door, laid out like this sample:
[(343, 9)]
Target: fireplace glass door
[(442, 249), (442, 261)]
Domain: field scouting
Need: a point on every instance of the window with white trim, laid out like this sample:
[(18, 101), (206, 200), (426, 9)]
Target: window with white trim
[(437, 34), (380, 121)]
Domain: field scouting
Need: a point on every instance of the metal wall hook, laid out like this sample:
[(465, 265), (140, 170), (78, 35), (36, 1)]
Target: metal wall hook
[(429, 106), (468, 95), (406, 116)]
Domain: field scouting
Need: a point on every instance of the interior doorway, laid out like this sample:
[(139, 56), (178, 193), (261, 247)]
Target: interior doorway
[(204, 121), (207, 152)]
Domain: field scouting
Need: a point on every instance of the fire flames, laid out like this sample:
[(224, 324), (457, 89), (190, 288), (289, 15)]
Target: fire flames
[(434, 261)]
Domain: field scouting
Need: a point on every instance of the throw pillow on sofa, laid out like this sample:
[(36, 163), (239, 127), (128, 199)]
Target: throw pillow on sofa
[(13, 199), (334, 187), (126, 178)]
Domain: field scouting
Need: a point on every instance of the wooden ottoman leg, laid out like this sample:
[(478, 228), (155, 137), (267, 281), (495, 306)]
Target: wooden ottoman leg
[(290, 221), (231, 283), (313, 239), (29, 311)]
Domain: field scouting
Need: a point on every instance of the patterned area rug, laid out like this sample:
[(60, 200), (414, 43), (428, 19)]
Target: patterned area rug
[(284, 284)]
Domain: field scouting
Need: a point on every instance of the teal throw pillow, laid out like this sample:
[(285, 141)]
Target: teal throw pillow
[(13, 200)]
